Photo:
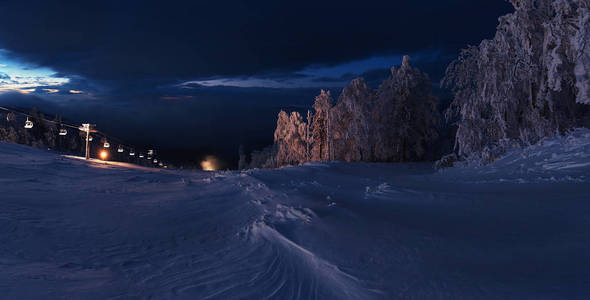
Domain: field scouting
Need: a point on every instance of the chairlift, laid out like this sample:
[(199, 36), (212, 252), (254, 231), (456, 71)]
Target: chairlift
[(107, 145), (132, 152), (149, 157), (155, 161), (141, 155), (63, 132), (120, 150), (28, 124), (150, 152)]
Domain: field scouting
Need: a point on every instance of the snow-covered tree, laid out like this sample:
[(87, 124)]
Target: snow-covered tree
[(263, 158), (396, 124), (308, 135), (290, 139), (320, 151), (73, 144), (405, 115), (530, 81), (351, 130), (51, 131)]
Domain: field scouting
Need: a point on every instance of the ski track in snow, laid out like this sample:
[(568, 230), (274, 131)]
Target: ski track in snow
[(516, 229)]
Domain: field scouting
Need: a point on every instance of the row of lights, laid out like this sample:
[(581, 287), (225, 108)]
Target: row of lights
[(104, 154)]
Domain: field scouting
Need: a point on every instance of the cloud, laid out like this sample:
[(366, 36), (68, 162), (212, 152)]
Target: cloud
[(25, 78), (28, 84), (194, 39), (180, 97), (373, 69)]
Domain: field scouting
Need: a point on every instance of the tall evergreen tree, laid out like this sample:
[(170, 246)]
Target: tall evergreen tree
[(405, 115), (320, 151), (352, 125), (289, 138)]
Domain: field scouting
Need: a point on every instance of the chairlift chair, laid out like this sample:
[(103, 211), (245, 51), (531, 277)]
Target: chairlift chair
[(28, 124), (150, 152), (63, 132), (120, 150), (141, 155), (107, 145), (155, 161), (132, 152), (90, 138)]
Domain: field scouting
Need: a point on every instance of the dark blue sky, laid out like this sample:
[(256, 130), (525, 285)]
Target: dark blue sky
[(204, 76)]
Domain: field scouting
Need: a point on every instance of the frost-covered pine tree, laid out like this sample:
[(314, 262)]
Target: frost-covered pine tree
[(73, 144), (289, 139), (50, 134), (530, 81), (263, 158), (351, 130), (320, 151), (13, 136), (404, 115), (396, 124), (308, 135)]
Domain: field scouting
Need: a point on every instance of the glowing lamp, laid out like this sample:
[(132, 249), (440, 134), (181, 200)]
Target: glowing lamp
[(210, 163), (104, 155)]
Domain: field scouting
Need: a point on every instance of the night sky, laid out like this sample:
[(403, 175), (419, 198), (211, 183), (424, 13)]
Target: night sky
[(193, 78)]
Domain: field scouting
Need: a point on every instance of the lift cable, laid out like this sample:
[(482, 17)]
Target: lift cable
[(95, 132)]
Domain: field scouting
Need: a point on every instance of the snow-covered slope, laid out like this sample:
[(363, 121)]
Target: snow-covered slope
[(516, 229)]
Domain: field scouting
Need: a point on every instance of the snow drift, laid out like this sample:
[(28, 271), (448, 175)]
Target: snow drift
[(514, 229)]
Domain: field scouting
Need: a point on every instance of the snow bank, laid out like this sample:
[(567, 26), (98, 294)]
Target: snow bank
[(89, 230), (562, 158)]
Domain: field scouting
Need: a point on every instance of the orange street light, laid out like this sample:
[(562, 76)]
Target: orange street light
[(104, 155)]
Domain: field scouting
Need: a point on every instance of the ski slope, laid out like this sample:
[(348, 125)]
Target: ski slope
[(516, 229)]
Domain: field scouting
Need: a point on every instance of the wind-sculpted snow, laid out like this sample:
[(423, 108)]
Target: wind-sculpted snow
[(563, 158), (71, 229)]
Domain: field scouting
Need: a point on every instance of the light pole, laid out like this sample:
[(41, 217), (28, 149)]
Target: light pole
[(87, 128)]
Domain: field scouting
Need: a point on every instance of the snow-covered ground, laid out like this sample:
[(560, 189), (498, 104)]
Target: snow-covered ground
[(516, 229)]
